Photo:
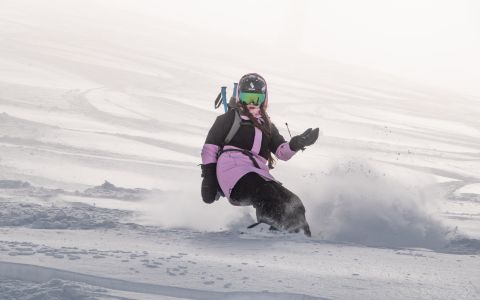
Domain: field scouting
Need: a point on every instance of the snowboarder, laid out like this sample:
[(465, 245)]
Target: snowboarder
[(237, 156)]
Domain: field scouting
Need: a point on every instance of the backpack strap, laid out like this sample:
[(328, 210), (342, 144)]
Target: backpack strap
[(237, 122)]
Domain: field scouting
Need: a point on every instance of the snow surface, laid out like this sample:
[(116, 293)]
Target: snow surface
[(99, 185)]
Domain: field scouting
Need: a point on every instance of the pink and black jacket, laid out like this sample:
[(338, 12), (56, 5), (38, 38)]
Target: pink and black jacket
[(232, 165)]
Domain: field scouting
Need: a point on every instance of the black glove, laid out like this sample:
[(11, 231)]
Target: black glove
[(305, 139), (210, 185)]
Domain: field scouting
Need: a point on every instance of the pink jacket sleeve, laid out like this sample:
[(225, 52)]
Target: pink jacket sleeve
[(284, 152), (209, 153)]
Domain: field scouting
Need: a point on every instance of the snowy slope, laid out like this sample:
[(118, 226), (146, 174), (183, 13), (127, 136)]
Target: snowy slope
[(90, 93)]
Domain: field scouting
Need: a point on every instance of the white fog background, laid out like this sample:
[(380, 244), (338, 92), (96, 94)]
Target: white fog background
[(430, 41), (435, 42)]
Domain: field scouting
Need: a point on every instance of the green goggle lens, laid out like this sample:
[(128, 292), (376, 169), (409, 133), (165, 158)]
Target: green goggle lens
[(252, 98)]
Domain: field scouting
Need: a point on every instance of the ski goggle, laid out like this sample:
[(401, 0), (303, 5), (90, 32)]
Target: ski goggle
[(252, 98)]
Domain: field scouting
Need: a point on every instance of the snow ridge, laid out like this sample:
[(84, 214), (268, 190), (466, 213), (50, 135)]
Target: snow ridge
[(74, 216), (34, 273)]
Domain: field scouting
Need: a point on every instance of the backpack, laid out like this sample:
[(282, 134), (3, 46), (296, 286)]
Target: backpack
[(222, 99)]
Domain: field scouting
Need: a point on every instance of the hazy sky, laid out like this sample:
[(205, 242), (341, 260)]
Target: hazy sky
[(433, 41)]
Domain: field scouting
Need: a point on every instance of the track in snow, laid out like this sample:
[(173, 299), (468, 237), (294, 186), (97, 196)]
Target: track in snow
[(33, 273)]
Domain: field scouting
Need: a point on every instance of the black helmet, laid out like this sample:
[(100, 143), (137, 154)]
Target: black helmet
[(252, 83)]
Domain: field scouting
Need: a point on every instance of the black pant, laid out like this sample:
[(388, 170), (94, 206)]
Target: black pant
[(275, 205)]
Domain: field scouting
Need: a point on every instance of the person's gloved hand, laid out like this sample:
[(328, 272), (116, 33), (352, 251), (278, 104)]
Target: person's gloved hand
[(307, 138), (210, 185)]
